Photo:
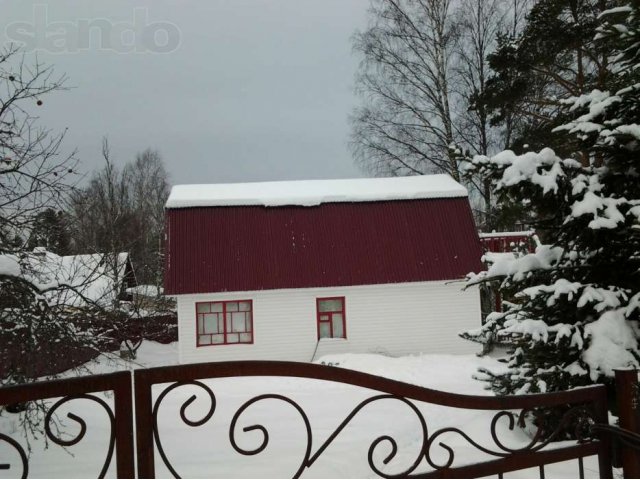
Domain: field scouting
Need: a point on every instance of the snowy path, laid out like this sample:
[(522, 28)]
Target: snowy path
[(207, 452)]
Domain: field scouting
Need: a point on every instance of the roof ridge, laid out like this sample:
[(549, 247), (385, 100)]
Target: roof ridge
[(316, 192)]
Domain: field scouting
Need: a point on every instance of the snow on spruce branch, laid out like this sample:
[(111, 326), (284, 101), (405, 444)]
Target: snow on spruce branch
[(613, 343), (597, 103), (605, 211), (517, 267), (542, 169), (610, 339)]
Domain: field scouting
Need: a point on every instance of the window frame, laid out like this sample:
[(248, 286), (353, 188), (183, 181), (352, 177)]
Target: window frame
[(224, 323), (343, 312)]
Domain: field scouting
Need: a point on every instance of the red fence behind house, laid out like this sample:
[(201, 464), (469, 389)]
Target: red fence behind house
[(500, 242)]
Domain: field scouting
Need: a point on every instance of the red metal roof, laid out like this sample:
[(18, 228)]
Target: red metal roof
[(244, 248)]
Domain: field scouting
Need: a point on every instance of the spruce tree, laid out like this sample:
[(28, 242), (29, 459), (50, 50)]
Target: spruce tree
[(575, 303), (50, 231), (551, 57)]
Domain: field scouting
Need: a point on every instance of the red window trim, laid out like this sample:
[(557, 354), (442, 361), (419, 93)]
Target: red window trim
[(330, 321), (224, 323)]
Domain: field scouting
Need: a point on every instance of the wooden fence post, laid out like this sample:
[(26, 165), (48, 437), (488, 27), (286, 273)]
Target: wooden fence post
[(628, 403)]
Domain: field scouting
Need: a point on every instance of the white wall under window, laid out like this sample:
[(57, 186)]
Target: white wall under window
[(398, 319)]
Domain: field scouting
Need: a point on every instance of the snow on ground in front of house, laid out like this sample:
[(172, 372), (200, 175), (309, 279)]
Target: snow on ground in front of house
[(150, 354), (207, 452)]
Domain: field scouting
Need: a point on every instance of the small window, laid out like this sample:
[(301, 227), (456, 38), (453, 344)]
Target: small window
[(331, 317), (224, 323)]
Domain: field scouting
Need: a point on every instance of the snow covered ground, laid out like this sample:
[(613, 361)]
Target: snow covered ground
[(207, 452)]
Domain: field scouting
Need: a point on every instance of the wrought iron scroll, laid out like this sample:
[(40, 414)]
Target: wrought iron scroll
[(64, 393), (83, 427), (584, 408), (56, 438), (183, 416), (580, 416), (310, 459), (23, 456)]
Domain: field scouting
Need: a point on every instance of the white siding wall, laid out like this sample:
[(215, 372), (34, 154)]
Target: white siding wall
[(398, 319)]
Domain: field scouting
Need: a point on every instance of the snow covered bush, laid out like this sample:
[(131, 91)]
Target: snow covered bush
[(575, 301)]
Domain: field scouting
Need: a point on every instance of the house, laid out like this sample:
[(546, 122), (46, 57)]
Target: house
[(296, 270), (149, 300), (74, 281), (70, 284)]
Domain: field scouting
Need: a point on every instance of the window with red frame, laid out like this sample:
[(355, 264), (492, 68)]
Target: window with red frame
[(331, 317), (224, 323)]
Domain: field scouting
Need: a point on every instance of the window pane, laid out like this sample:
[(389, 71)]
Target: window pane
[(233, 338), (238, 323), (216, 307), (232, 306), (203, 307), (324, 318), (330, 305), (215, 328), (210, 323), (325, 331), (338, 331)]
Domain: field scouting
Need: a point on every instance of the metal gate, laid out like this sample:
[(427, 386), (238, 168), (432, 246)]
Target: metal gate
[(585, 410)]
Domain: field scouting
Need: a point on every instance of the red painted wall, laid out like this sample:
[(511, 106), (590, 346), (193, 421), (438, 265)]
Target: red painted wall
[(216, 249)]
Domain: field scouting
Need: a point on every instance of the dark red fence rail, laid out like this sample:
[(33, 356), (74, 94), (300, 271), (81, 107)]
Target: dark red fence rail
[(121, 417), (583, 407)]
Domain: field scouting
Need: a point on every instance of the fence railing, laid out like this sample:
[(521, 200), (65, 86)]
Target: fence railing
[(65, 391), (585, 410), (582, 408)]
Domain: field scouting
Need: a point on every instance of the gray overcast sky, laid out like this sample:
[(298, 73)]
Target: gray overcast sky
[(256, 90)]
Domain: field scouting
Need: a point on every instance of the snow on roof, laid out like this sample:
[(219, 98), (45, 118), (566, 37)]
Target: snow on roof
[(524, 233), (315, 192), (91, 277), (146, 290)]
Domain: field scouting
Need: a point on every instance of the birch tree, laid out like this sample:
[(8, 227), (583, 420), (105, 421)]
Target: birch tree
[(423, 71), (480, 22), (406, 123)]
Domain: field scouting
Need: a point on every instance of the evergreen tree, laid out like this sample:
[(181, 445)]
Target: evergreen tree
[(554, 57), (576, 300), (51, 231)]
